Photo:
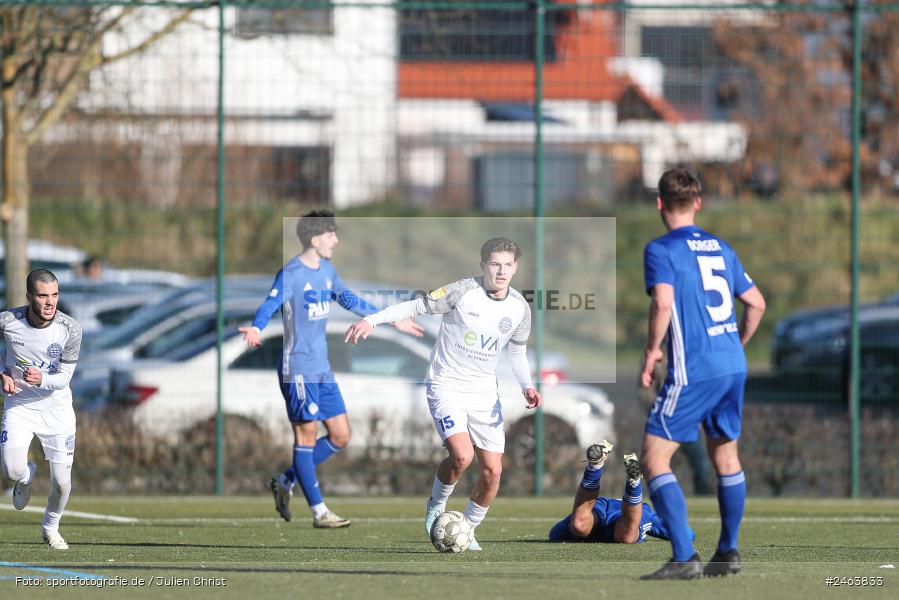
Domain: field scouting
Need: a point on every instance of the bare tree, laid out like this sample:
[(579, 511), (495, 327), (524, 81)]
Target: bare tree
[(46, 57), (799, 116)]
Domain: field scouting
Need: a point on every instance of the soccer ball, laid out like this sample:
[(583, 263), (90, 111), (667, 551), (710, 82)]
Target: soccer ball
[(451, 532)]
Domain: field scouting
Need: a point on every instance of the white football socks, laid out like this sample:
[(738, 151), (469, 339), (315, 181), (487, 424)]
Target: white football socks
[(441, 492), (60, 488), (475, 513)]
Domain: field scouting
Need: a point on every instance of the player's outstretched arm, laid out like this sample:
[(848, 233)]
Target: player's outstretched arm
[(754, 309), (411, 327), (659, 318), (400, 314)]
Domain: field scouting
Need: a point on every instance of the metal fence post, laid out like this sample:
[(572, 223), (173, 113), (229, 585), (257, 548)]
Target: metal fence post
[(539, 26), (855, 350), (220, 255)]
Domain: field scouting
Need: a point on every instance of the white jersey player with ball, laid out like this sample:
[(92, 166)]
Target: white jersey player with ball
[(41, 349), (481, 316)]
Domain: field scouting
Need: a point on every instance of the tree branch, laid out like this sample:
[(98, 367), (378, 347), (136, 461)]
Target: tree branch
[(152, 39), (90, 59)]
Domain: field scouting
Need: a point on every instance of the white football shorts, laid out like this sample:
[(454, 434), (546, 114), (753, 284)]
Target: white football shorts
[(480, 414), (54, 427)]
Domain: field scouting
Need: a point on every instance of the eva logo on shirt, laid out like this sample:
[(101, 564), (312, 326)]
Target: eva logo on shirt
[(485, 342)]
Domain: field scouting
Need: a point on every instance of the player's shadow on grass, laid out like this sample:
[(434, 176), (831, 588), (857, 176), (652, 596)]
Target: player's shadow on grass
[(840, 548), (313, 570), (240, 547)]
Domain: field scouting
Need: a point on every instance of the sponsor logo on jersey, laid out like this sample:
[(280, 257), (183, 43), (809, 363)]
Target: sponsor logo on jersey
[(317, 304), (438, 293), (18, 342), (475, 315), (704, 245), (724, 328), (505, 325), (54, 350), (3, 437), (485, 342)]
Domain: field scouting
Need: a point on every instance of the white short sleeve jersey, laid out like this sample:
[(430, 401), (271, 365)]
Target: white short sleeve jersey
[(474, 330), (44, 348)]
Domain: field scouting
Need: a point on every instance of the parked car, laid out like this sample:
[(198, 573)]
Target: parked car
[(796, 331), (823, 354), (175, 326), (62, 260), (381, 380)]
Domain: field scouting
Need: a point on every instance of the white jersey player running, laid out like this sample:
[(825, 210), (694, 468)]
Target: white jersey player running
[(481, 315), (39, 357)]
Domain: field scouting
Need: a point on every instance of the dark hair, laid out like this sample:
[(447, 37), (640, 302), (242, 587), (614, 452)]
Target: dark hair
[(42, 275), (315, 223), (90, 261), (499, 244), (679, 189)]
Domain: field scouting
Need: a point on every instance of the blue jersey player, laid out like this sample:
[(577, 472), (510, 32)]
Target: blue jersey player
[(303, 290), (693, 278), (607, 520)]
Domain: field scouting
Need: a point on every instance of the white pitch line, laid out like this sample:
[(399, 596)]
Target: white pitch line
[(75, 513), (237, 520)]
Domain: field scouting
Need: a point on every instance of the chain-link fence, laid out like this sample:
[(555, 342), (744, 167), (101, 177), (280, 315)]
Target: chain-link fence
[(111, 120)]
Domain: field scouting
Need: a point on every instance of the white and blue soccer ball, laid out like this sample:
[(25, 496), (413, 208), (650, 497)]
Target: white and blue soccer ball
[(451, 532)]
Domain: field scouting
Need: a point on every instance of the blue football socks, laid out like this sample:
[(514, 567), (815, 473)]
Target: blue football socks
[(305, 472), (633, 494), (590, 480), (731, 500), (324, 450), (669, 502)]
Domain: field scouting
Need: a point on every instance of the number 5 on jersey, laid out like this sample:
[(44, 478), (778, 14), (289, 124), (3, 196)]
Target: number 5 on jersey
[(716, 283)]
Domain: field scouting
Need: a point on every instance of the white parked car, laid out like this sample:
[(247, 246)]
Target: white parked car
[(380, 380)]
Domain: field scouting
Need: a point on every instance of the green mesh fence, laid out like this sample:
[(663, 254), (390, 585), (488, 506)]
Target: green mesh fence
[(427, 109)]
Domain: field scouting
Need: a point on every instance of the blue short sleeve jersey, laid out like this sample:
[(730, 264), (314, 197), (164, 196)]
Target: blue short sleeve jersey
[(304, 296), (606, 513), (703, 337)]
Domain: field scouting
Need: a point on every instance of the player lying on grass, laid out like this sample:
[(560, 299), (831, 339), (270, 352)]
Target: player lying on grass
[(480, 316), (607, 520)]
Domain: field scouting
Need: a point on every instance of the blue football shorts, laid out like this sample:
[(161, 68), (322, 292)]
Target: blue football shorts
[(311, 397), (716, 404)]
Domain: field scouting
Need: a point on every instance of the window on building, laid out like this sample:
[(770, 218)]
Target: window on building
[(482, 35), (253, 22)]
